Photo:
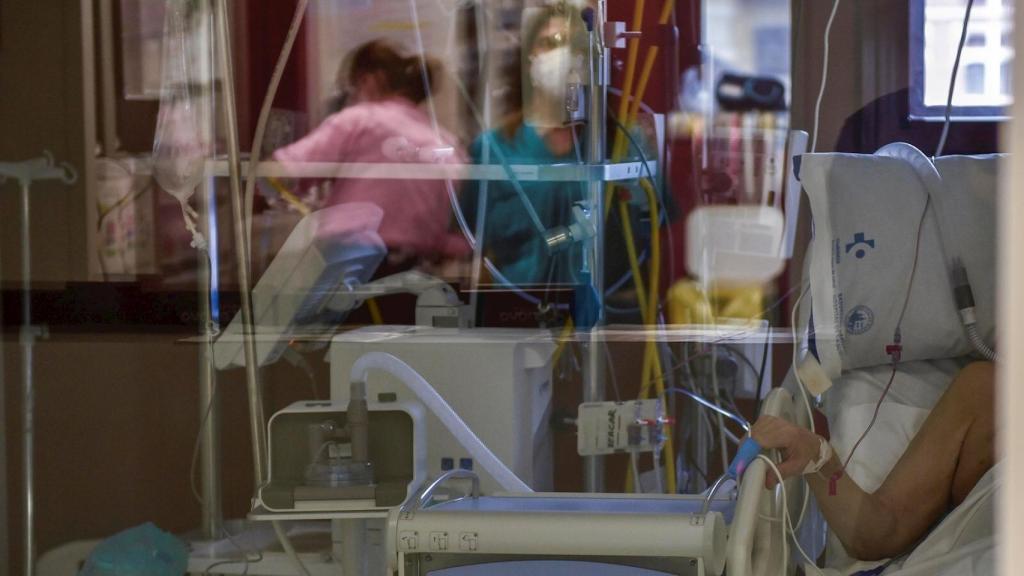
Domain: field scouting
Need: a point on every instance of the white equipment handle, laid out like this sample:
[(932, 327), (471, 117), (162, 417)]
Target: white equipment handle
[(756, 544)]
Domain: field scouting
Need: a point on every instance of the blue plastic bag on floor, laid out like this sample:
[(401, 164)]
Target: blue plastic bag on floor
[(144, 550)]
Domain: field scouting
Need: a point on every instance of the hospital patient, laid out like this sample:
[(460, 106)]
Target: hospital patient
[(953, 449)]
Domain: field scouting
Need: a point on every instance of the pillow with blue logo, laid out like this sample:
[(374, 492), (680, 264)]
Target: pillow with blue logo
[(865, 212)]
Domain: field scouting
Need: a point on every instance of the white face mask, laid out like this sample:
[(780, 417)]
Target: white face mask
[(549, 72)]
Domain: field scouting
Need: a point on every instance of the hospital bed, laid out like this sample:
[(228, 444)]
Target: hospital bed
[(963, 542), (928, 216)]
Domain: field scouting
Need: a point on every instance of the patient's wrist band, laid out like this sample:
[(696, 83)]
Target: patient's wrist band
[(824, 455)]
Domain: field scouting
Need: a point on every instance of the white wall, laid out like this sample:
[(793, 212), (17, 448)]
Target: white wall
[(1011, 336)]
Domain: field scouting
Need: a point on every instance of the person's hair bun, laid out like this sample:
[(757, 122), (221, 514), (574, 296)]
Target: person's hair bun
[(404, 75)]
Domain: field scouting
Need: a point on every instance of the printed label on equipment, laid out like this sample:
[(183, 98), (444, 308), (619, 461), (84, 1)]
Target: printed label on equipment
[(610, 427)]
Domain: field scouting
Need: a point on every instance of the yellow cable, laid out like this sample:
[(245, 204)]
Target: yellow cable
[(652, 368), (619, 146), (652, 311), (562, 341), (288, 196), (634, 261), (645, 74), (629, 107), (641, 297), (374, 309), (631, 60)]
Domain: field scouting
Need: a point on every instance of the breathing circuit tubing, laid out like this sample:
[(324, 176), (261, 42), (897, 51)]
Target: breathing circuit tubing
[(436, 404)]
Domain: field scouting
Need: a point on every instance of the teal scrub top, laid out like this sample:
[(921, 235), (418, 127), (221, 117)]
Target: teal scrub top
[(511, 240)]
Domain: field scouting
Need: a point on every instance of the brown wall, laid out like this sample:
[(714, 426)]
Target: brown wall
[(116, 414), (116, 418), (869, 57), (41, 109)]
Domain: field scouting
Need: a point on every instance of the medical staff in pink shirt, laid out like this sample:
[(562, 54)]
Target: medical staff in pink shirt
[(383, 121)]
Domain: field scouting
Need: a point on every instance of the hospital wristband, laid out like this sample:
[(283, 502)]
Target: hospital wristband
[(824, 455)]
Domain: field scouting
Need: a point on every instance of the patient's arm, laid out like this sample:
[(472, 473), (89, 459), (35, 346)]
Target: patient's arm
[(953, 449)]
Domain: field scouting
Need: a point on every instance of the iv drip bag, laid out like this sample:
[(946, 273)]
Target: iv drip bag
[(182, 141)]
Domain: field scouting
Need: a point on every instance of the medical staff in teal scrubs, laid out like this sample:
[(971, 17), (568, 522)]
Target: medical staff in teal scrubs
[(536, 135), (511, 240)]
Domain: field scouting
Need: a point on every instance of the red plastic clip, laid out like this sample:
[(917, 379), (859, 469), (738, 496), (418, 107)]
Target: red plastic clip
[(833, 482), (894, 351), (656, 421)]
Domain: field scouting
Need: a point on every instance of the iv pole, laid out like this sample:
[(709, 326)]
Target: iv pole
[(255, 393), (26, 173), (209, 401), (593, 369)]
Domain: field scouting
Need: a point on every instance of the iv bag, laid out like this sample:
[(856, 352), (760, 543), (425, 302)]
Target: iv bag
[(182, 140)]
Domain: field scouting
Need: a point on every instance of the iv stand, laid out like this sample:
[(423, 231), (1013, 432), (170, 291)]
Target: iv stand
[(255, 392), (26, 173), (593, 370), (212, 516), (209, 400)]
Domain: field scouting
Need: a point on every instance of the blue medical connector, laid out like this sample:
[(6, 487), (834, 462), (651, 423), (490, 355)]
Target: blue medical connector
[(748, 451)]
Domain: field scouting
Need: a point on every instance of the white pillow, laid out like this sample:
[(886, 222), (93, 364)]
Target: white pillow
[(865, 211), (850, 406)]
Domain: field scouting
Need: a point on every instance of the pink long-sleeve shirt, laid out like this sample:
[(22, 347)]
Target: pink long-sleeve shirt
[(416, 212)]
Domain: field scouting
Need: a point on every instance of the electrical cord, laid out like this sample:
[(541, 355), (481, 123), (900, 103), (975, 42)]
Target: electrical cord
[(897, 343), (659, 486), (760, 379), (736, 353), (723, 447), (264, 117), (824, 76), (803, 392), (796, 354), (649, 303), (633, 458), (295, 358), (289, 549), (244, 560), (962, 288), (788, 522), (703, 416), (712, 406), (952, 81)]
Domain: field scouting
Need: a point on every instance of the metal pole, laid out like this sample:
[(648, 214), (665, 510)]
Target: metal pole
[(28, 400), (209, 400), (107, 78), (256, 418), (593, 371), (4, 511), (212, 513)]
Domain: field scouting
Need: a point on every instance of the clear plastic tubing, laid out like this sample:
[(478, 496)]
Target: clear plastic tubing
[(436, 404)]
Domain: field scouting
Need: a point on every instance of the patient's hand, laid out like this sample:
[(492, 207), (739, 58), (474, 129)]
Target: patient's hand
[(799, 445)]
